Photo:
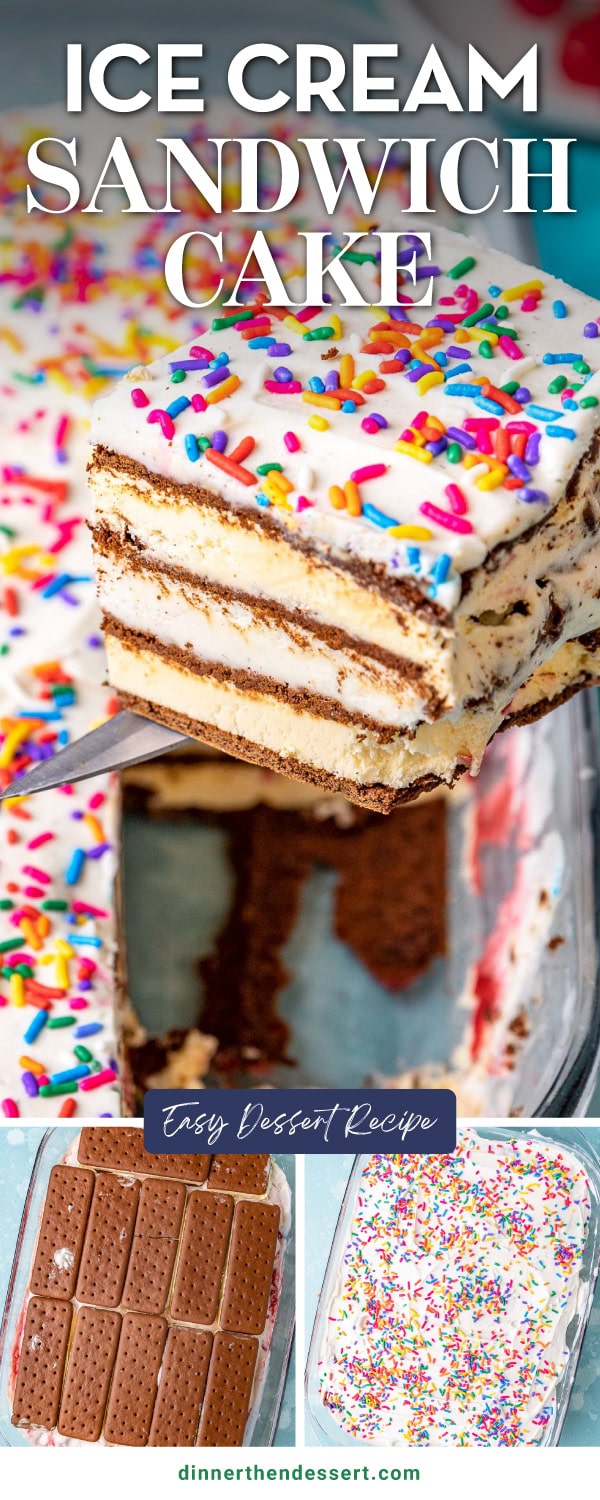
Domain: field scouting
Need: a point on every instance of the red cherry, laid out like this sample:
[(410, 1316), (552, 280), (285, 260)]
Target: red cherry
[(540, 8), (580, 57)]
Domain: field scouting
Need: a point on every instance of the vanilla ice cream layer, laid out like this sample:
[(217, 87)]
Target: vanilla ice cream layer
[(573, 665), (240, 641), (302, 742), (535, 594), (235, 553), (543, 590), (507, 626), (297, 736)]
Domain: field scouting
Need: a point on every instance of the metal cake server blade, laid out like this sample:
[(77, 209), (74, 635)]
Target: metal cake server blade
[(122, 741)]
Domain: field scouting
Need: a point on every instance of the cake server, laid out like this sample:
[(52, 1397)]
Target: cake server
[(124, 740)]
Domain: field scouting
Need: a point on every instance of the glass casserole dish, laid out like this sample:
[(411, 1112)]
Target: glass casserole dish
[(325, 1429), (267, 1397), (509, 1017)]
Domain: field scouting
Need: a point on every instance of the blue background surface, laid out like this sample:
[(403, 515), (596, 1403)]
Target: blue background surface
[(19, 1147), (326, 1178)]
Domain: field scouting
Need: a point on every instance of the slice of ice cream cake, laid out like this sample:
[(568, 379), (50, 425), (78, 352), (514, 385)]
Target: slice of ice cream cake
[(352, 545)]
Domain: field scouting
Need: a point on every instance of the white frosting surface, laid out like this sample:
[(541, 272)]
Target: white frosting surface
[(454, 1294)]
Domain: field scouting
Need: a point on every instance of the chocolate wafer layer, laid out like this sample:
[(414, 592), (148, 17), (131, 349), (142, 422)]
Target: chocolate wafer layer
[(149, 1275), (88, 1373), (202, 1260), (108, 1240), (122, 1150), (228, 1390), (160, 1209), (250, 1267), (174, 1257), (154, 1246), (240, 1174), (62, 1231), (41, 1363), (135, 1380), (181, 1389)]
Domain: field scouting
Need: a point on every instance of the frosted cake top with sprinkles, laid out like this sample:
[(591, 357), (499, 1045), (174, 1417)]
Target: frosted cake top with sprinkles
[(448, 1325), (417, 438)]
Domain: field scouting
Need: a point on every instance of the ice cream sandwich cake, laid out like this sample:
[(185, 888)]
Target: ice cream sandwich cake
[(455, 1296), (351, 545)]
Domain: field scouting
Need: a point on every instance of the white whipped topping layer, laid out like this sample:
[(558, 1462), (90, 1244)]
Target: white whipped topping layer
[(454, 1294), (194, 622)]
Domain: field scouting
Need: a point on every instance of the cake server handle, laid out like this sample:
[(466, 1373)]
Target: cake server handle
[(124, 740)]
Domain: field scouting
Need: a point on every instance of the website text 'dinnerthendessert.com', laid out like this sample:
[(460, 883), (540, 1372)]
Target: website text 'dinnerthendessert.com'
[(300, 746)]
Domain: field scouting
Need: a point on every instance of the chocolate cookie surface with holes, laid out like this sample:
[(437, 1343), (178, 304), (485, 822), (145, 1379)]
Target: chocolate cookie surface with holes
[(204, 1248), (108, 1240), (154, 1248), (135, 1380), (42, 1362), (181, 1389), (123, 1150), (225, 1410), (87, 1382), (240, 1174), (250, 1267), (153, 1285), (62, 1231)]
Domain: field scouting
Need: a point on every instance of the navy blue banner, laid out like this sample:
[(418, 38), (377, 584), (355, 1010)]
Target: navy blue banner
[(300, 1121)]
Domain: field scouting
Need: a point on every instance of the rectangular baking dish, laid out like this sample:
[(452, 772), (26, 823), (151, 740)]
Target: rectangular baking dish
[(326, 1431), (541, 1054), (262, 1422)]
